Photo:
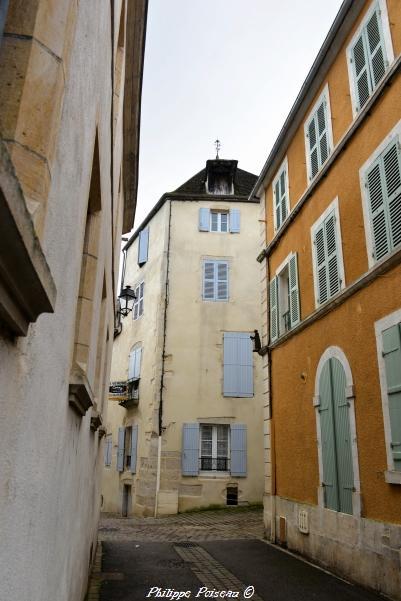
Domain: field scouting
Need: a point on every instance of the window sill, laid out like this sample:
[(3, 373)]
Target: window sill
[(214, 475), (392, 477), (80, 394), (26, 284)]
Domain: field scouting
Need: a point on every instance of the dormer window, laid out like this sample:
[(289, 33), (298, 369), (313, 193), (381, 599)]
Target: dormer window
[(220, 175)]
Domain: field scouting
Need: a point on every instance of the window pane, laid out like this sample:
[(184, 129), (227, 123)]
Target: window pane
[(214, 222), (224, 222)]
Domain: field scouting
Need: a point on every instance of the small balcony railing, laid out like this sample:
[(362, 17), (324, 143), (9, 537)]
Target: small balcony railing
[(126, 393), (214, 464)]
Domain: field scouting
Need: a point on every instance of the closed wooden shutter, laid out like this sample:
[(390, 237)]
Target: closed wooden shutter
[(383, 182), (338, 474), (190, 449), (280, 198), (293, 290), (108, 447), (208, 280), (131, 364), (392, 360), (327, 259), (143, 246), (274, 316), (345, 469), (361, 70), (318, 139), (120, 451), (235, 221), (134, 445), (215, 280), (137, 367), (375, 46), (204, 219), (221, 275), (238, 450), (237, 364)]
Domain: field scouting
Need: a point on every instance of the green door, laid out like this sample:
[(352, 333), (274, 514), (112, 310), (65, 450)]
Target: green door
[(338, 475)]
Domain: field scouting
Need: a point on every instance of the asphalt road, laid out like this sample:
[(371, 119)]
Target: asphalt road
[(135, 571)]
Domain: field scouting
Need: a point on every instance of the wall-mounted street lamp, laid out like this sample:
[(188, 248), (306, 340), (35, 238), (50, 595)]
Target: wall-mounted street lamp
[(127, 298)]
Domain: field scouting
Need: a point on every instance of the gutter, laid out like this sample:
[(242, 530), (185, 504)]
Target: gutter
[(160, 421), (346, 16)]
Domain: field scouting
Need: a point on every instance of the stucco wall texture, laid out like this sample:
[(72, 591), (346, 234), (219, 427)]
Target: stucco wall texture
[(50, 460)]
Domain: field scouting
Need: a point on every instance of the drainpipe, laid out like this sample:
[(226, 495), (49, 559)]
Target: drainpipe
[(166, 293)]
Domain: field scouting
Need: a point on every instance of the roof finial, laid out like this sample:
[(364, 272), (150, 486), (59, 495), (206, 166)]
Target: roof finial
[(217, 143)]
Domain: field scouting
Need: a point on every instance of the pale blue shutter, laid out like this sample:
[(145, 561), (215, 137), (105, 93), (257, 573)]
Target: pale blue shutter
[(321, 265), (321, 118), (190, 449), (108, 446), (221, 281), (318, 139), (293, 290), (330, 482), (134, 445), (274, 316), (131, 364), (313, 148), (235, 221), (204, 219), (345, 468), (280, 198), (208, 280), (137, 367), (120, 451), (392, 360), (238, 450), (237, 364), (143, 246)]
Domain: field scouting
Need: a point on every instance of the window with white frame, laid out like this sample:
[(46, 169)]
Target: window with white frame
[(388, 339), (284, 298), (280, 196), (215, 280), (219, 221), (382, 192), (328, 267), (318, 135), (369, 54), (214, 448), (137, 310)]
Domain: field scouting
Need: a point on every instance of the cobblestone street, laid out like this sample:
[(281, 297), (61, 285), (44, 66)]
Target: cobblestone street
[(196, 553)]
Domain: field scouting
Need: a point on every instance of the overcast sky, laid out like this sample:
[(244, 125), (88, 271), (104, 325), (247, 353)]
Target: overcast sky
[(220, 68)]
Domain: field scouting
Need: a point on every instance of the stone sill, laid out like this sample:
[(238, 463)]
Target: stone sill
[(392, 477), (27, 288)]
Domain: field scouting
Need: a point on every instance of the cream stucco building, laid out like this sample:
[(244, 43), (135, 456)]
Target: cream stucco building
[(71, 76), (185, 419)]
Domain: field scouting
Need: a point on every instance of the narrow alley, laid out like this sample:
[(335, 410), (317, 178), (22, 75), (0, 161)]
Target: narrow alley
[(198, 554)]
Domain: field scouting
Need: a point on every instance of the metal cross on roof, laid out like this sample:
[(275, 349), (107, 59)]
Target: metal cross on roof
[(217, 143)]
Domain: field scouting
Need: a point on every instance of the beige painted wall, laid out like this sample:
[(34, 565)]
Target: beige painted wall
[(193, 359)]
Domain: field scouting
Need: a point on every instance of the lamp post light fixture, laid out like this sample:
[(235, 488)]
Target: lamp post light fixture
[(127, 297)]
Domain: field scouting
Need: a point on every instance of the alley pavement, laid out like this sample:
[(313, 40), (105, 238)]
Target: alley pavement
[(203, 555)]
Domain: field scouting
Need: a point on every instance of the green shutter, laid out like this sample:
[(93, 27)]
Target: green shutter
[(274, 316), (361, 72), (383, 181), (330, 481), (392, 360), (293, 290), (338, 473), (345, 471), (375, 46), (327, 259)]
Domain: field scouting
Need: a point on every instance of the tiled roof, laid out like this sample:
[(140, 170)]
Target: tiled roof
[(243, 183)]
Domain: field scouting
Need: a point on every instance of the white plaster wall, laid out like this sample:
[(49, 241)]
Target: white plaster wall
[(50, 461)]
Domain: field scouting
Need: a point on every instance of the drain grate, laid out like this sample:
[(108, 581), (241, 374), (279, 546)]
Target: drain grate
[(186, 544)]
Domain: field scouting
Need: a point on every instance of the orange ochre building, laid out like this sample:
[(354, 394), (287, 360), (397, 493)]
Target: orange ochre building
[(330, 263)]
